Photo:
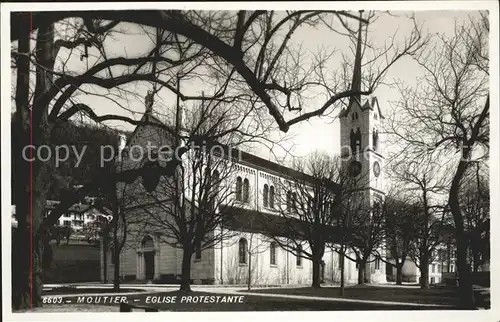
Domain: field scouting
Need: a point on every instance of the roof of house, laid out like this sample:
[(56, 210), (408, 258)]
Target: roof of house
[(77, 207)]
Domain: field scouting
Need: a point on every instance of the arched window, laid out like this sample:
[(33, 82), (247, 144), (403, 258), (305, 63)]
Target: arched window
[(271, 197), (358, 139), (273, 247), (239, 184), (298, 254), (242, 251), (289, 201), (375, 139), (266, 195), (246, 190), (147, 244)]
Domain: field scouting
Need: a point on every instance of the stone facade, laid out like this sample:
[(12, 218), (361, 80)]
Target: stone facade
[(222, 264)]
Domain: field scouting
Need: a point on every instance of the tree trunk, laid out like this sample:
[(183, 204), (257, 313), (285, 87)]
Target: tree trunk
[(186, 270), (116, 259), (20, 179), (249, 277), (399, 274), (448, 257), (318, 250), (31, 177), (316, 280), (21, 268), (105, 257), (467, 300), (424, 272), (342, 269), (368, 272), (361, 273)]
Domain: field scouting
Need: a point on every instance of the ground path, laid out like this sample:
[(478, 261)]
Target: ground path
[(232, 290)]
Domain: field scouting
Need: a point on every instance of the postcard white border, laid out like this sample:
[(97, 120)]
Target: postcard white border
[(481, 315)]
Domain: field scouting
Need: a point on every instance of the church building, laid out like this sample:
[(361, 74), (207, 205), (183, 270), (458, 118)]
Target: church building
[(145, 257)]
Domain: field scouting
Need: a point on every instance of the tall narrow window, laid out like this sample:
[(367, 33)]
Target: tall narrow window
[(215, 181), (289, 201), (239, 184), (272, 251), (214, 190), (358, 140), (375, 139), (112, 252), (198, 250), (246, 190), (298, 255), (242, 251), (377, 263), (271, 197), (294, 200), (265, 198)]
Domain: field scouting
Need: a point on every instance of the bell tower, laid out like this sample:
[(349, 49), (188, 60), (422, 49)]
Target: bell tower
[(362, 149), (361, 135)]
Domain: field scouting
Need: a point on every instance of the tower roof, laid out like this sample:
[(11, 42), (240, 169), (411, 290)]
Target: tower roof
[(368, 105), (356, 75)]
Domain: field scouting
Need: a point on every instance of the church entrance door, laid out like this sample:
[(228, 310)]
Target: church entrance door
[(149, 261)]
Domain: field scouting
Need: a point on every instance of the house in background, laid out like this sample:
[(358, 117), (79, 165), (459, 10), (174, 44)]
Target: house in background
[(77, 216)]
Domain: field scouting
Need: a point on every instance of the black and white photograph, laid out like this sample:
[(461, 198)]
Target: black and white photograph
[(238, 157)]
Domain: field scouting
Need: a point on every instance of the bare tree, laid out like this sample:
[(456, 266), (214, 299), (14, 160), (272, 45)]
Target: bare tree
[(447, 115), (400, 219), (98, 232), (189, 209), (308, 200), (427, 181), (216, 47), (346, 209), (475, 203), (250, 43), (112, 227), (367, 235), (256, 246)]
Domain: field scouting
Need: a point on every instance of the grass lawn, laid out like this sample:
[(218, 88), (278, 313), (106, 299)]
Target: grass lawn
[(434, 295), (93, 290), (250, 303)]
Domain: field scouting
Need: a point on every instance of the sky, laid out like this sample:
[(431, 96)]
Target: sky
[(322, 135), (319, 133)]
